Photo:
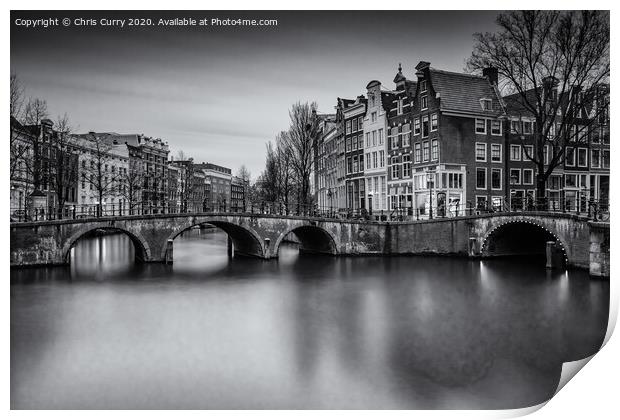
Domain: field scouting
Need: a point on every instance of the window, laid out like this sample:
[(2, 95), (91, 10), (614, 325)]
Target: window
[(406, 166), (481, 152), (570, 181), (515, 176), (417, 153), (528, 127), (425, 126), (435, 149), (515, 127), (355, 122), (399, 107), (496, 153), (528, 176), (425, 151), (374, 138), (606, 159), (582, 157), (395, 168), (368, 160), (455, 180), (515, 152), (406, 135), (424, 102), (481, 178), (380, 136), (595, 158), (496, 128), (528, 150), (416, 126), (423, 86), (373, 117), (434, 122), (487, 104), (360, 122), (496, 179), (481, 126), (381, 158), (546, 154), (481, 202), (374, 160), (367, 139), (570, 156)]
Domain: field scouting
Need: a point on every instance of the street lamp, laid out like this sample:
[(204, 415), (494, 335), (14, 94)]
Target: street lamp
[(430, 180), (370, 194)]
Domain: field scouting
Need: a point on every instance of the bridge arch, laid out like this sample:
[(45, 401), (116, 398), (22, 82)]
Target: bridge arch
[(521, 236), (314, 239), (245, 239), (141, 247)]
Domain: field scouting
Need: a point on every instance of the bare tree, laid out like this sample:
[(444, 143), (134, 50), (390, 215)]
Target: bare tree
[(34, 112), (298, 142), (551, 65), (17, 97), (96, 171), (130, 183), (63, 161)]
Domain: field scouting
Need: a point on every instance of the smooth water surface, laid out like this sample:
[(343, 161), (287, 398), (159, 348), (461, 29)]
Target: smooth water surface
[(299, 332)]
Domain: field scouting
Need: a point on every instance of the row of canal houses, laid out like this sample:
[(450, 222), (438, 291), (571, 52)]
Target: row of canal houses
[(446, 143)]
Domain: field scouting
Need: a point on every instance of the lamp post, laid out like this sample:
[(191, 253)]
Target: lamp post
[(370, 194), (430, 180)]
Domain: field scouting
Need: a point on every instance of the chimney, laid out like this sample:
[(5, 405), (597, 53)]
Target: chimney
[(491, 73)]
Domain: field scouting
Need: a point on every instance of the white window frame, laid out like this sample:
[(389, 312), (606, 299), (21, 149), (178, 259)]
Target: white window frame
[(516, 170), (566, 156), (586, 153), (476, 126), (424, 102), (500, 127), (530, 151), (479, 143), (486, 178), (417, 126), (500, 179), (512, 158), (592, 160), (500, 152), (434, 117), (530, 171)]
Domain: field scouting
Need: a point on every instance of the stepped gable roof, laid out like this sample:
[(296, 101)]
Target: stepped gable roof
[(462, 92)]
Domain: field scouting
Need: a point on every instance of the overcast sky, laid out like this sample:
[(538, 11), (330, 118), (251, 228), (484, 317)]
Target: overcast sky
[(219, 93)]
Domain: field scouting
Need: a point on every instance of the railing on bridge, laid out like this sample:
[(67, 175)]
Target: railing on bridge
[(595, 210)]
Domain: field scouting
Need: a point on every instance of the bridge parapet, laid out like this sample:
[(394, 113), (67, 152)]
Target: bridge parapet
[(258, 235)]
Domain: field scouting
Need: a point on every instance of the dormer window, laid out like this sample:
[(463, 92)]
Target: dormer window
[(486, 104)]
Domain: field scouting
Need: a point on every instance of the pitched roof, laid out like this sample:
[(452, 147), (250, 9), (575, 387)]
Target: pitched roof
[(462, 92)]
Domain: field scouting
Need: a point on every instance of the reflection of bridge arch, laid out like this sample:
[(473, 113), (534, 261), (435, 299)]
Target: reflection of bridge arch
[(245, 240), (521, 236), (141, 246), (314, 239)]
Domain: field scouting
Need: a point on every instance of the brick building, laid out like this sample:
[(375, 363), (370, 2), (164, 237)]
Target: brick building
[(354, 153), (399, 148)]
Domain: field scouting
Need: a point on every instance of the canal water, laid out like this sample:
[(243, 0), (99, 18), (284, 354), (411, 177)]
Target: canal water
[(299, 332)]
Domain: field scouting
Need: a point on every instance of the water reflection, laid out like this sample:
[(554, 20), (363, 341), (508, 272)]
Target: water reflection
[(298, 332)]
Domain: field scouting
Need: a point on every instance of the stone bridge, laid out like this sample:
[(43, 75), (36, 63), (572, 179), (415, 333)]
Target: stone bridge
[(577, 241)]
